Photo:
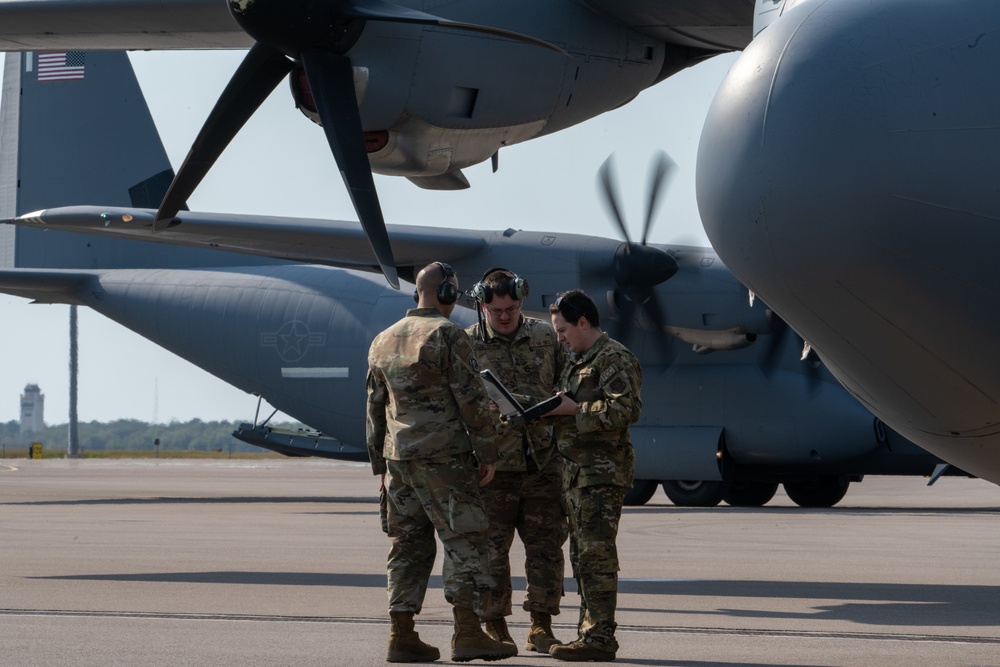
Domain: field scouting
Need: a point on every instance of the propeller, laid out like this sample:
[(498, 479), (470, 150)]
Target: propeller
[(770, 358), (638, 267), (317, 34)]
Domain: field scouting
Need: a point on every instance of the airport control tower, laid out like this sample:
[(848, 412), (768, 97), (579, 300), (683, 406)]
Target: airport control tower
[(32, 409)]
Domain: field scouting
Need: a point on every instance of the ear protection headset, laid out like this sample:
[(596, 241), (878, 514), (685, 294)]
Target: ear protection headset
[(517, 287), (447, 293)]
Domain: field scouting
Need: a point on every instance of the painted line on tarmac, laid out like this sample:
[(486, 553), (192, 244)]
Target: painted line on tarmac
[(637, 629), (7, 468), (811, 634)]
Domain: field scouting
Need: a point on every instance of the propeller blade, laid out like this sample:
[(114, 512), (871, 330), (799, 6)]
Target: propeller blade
[(259, 73), (662, 169), (626, 313), (379, 10), (656, 314), (331, 80), (609, 189), (770, 356)]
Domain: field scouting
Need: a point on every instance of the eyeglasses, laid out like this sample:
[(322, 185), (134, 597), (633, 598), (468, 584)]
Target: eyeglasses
[(511, 311)]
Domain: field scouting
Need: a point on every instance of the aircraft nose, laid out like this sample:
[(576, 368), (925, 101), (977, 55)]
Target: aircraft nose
[(777, 146), (849, 133), (847, 174)]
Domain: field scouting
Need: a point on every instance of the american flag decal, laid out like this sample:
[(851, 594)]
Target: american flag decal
[(63, 66)]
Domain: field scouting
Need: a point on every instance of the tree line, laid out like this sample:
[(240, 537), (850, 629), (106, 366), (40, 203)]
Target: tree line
[(132, 435)]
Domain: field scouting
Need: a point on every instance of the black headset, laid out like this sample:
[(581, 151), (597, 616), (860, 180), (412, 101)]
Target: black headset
[(517, 287), (447, 293)]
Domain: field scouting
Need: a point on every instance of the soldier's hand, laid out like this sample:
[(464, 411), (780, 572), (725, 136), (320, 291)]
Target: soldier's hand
[(486, 472), (566, 407)]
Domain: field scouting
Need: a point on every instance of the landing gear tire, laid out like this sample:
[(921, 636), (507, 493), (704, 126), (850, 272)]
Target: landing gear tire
[(696, 493), (640, 493), (750, 494), (817, 492)]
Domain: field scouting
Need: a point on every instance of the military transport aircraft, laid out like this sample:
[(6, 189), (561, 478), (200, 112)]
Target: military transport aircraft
[(730, 408), (848, 175), (399, 90)]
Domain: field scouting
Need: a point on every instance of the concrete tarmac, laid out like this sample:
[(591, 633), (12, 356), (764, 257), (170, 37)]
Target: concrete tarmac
[(282, 562)]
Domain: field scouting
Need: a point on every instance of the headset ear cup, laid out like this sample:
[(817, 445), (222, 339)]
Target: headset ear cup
[(518, 288), (447, 294), (482, 292)]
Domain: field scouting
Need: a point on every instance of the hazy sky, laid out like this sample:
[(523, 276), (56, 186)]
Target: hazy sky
[(280, 164)]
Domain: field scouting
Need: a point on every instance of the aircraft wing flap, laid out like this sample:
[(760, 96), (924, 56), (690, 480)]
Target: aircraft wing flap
[(45, 286), (330, 242)]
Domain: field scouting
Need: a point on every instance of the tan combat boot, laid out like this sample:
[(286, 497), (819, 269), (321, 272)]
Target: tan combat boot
[(497, 629), (404, 641), (540, 637), (581, 651), (470, 642)]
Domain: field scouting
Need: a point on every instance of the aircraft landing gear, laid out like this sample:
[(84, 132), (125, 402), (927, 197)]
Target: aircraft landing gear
[(695, 493), (640, 493), (750, 494), (818, 491)]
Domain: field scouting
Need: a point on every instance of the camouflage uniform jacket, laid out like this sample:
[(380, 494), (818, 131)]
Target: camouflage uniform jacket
[(605, 381), (529, 362), (425, 397)]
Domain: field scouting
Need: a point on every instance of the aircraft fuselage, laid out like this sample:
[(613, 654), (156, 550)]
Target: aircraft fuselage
[(847, 175)]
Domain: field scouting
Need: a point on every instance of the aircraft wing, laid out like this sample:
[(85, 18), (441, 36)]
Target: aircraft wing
[(45, 285), (716, 25), (31, 25), (35, 25), (330, 242)]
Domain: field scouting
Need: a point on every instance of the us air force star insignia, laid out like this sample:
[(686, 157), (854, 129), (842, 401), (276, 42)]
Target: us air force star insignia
[(292, 340)]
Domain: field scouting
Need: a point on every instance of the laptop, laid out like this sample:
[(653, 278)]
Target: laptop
[(509, 406)]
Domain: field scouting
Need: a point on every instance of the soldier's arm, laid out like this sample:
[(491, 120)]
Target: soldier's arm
[(619, 405), (375, 423), (473, 404), (561, 360)]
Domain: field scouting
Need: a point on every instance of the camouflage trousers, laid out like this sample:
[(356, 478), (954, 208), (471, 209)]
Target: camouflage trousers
[(594, 514), (425, 496), (531, 504)]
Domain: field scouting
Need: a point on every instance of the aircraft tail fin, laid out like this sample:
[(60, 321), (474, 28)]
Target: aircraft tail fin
[(74, 127)]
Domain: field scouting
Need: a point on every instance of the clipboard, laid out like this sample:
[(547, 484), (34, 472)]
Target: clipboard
[(509, 406)]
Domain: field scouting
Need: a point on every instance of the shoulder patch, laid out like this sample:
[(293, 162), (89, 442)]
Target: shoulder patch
[(618, 385), (608, 372)]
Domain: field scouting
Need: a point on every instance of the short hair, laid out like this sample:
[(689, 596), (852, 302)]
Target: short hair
[(573, 305), (499, 281)]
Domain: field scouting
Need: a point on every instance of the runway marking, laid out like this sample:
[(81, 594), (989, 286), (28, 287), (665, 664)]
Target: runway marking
[(8, 468), (640, 629)]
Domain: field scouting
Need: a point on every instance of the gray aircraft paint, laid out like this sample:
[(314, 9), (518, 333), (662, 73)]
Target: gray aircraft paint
[(778, 418), (847, 174)]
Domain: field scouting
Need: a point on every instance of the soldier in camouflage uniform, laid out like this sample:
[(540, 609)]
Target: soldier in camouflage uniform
[(601, 400), (432, 438), (526, 494)]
